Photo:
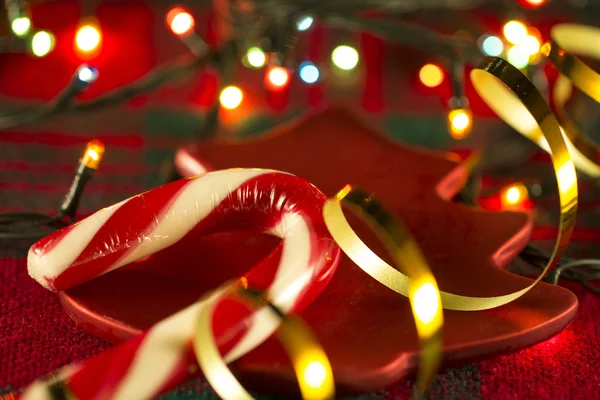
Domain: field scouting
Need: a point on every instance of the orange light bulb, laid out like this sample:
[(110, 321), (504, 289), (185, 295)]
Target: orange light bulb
[(92, 156), (460, 122), (514, 195)]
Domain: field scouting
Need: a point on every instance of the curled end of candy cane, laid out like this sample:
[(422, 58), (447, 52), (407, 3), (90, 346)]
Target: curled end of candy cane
[(55, 253), (36, 270)]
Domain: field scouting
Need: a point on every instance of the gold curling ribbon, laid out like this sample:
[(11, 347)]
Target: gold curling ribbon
[(421, 290), (581, 40), (516, 100), (310, 362)]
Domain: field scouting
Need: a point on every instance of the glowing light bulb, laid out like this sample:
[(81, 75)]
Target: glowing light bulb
[(231, 97), (278, 77), (431, 75), (304, 23), (309, 73), (315, 374), (87, 74), (533, 3), (42, 43), (492, 46), (425, 303), (345, 57), (515, 32), (20, 26), (88, 38), (514, 195), (180, 21), (256, 57), (92, 156), (530, 45), (459, 122), (518, 57)]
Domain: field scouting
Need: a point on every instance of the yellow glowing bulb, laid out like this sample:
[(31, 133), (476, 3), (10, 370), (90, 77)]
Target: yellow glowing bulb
[(425, 303), (231, 97), (180, 21), (515, 32), (459, 122), (535, 3), (278, 76), (20, 26), (531, 45), (514, 195), (42, 43), (431, 75), (315, 374), (256, 57), (345, 57), (93, 154), (87, 38)]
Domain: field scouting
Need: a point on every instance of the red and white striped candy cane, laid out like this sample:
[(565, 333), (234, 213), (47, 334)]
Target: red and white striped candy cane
[(270, 201)]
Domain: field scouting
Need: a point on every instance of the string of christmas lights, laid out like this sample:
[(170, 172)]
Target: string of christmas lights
[(520, 45), (26, 225)]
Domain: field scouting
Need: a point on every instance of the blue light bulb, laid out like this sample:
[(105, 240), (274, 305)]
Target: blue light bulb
[(309, 73)]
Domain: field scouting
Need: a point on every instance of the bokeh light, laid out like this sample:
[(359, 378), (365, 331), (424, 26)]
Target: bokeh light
[(530, 45), (345, 57), (514, 195), (309, 73), (20, 26), (431, 75), (533, 3), (278, 77), (180, 21), (304, 23), (518, 57), (42, 43), (231, 97), (460, 122), (256, 57), (515, 32), (88, 38), (492, 46)]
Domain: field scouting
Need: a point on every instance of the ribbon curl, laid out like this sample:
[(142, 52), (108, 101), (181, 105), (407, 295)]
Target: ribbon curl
[(566, 41), (421, 289), (310, 362), (516, 100)]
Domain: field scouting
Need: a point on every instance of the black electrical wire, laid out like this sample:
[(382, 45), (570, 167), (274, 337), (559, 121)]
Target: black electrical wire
[(31, 225), (28, 225)]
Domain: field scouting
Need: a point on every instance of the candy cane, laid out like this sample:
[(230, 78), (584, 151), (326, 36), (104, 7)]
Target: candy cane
[(273, 202)]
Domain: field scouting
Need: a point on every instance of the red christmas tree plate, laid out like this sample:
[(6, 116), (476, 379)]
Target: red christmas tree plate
[(366, 329)]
